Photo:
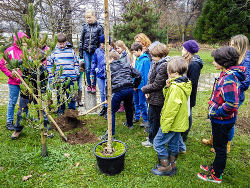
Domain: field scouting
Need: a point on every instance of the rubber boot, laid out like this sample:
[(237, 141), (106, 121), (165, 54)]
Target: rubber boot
[(80, 98), (208, 142), (228, 146), (172, 160), (164, 169)]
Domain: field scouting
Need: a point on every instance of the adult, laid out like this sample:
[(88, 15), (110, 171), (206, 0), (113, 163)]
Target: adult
[(89, 42)]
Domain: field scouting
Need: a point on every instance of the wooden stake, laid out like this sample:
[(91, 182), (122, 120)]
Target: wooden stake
[(45, 110), (109, 92), (92, 109)]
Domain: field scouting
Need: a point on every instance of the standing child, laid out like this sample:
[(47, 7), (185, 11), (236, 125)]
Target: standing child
[(89, 42), (142, 64), (157, 77), (65, 57), (122, 82), (99, 69), (13, 52), (174, 117), (145, 42), (223, 108)]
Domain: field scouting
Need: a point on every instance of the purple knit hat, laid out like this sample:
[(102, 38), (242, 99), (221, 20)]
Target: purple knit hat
[(191, 46)]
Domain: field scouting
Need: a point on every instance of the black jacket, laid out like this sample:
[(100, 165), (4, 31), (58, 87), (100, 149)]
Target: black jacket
[(194, 70), (89, 40), (122, 76), (156, 81)]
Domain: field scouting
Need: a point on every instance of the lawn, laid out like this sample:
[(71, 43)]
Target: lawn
[(22, 157)]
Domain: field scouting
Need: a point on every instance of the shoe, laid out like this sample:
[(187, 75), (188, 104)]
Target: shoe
[(212, 150), (147, 144), (208, 141), (164, 169), (209, 177), (126, 125), (228, 146), (10, 126), (15, 135), (80, 98), (103, 111), (89, 89), (93, 89), (182, 151), (146, 130), (135, 120), (144, 124), (206, 167), (121, 109), (105, 137)]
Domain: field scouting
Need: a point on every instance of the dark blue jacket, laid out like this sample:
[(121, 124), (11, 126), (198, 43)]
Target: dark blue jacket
[(245, 84), (99, 64)]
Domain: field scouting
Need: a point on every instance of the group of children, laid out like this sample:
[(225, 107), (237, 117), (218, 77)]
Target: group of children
[(151, 84)]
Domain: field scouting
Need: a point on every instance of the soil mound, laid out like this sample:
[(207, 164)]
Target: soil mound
[(82, 137), (69, 121)]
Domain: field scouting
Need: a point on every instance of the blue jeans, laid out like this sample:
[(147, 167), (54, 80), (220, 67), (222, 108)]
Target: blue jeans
[(140, 105), (23, 108), (125, 95), (170, 138), (88, 62), (101, 82), (13, 96), (71, 103)]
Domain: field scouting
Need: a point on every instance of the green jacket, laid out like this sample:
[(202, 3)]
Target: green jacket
[(174, 114)]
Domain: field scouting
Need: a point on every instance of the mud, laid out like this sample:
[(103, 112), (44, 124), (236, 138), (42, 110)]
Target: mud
[(243, 125)]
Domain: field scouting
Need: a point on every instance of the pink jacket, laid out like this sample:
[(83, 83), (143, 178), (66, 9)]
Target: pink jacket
[(14, 52)]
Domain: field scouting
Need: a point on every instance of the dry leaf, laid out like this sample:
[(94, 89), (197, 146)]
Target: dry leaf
[(77, 164), (26, 177), (1, 168), (66, 154)]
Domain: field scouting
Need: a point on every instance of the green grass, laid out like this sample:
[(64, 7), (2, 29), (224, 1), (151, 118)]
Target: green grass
[(205, 56), (22, 157), (3, 78)]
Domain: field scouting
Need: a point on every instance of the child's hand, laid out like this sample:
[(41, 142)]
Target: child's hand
[(168, 82), (147, 96)]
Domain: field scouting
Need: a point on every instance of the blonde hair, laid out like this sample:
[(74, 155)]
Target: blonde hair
[(187, 56), (159, 50), (177, 64), (122, 45), (91, 12), (241, 44), (145, 41)]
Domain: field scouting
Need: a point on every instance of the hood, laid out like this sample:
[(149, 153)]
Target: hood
[(20, 35), (143, 56), (238, 71), (184, 83), (198, 60)]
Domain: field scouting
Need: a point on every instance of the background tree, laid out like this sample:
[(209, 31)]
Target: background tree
[(139, 17), (220, 20)]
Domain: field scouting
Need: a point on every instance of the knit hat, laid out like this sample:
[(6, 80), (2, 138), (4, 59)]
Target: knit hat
[(102, 39), (191, 46)]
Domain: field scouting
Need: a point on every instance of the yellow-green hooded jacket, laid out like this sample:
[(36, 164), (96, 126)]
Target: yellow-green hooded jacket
[(174, 114)]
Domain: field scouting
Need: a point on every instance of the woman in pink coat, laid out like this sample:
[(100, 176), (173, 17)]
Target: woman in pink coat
[(14, 52)]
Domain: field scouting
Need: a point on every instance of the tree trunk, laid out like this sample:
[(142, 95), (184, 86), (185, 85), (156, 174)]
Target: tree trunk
[(109, 92)]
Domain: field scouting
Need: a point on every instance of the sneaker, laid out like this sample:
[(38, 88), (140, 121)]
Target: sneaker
[(93, 89), (206, 167), (89, 89), (10, 126), (146, 130), (209, 177), (15, 135), (147, 144), (182, 151), (126, 125), (121, 109), (135, 120), (144, 124)]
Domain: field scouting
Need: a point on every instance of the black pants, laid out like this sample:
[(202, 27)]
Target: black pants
[(220, 139), (154, 116), (185, 134)]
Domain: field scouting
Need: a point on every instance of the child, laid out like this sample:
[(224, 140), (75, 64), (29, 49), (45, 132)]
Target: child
[(63, 55), (241, 44), (174, 117), (145, 42), (195, 64), (223, 108), (99, 69), (89, 42), (14, 52), (122, 88), (122, 49), (142, 64), (157, 77)]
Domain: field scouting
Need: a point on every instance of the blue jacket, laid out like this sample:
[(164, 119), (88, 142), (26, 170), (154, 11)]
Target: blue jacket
[(245, 84), (99, 64), (67, 59), (142, 64)]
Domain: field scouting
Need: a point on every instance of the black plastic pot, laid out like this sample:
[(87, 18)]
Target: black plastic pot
[(111, 165)]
